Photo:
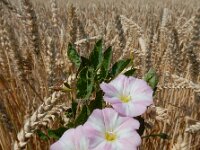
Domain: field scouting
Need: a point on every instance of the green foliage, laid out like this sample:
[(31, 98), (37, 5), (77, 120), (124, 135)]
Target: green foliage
[(130, 72), (85, 62), (42, 135), (106, 63), (151, 78), (83, 116), (119, 66), (96, 56), (51, 134), (74, 108), (56, 134), (85, 83), (73, 55), (71, 112), (97, 103)]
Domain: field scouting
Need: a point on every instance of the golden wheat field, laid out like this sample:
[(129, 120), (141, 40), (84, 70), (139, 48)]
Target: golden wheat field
[(159, 34)]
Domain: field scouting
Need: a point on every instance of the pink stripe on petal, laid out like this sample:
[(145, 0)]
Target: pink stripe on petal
[(142, 99), (121, 108), (110, 117), (130, 109), (138, 85), (96, 141), (118, 82), (109, 89), (93, 131), (94, 119), (125, 85), (130, 124), (111, 100)]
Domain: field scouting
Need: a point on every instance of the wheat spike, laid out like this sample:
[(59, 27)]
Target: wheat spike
[(73, 24), (54, 10), (31, 25), (32, 123), (193, 128), (181, 144), (12, 8), (52, 114), (4, 117), (120, 32)]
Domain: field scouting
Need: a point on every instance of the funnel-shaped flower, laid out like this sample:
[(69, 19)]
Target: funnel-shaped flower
[(72, 139), (107, 130), (129, 96)]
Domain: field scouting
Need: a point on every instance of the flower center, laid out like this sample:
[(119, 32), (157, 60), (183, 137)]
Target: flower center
[(110, 136), (125, 99)]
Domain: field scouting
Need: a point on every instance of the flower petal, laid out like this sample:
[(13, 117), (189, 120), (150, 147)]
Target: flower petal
[(143, 99), (105, 146), (110, 90), (132, 139), (127, 125), (138, 85), (61, 146), (72, 139), (96, 118), (130, 109), (122, 127), (111, 100), (118, 82), (136, 92)]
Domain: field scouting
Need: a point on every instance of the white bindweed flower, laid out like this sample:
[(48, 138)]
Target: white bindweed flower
[(129, 96), (107, 130), (72, 139)]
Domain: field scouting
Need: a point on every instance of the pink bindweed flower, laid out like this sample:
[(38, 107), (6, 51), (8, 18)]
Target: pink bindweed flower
[(107, 130), (129, 96), (72, 139)]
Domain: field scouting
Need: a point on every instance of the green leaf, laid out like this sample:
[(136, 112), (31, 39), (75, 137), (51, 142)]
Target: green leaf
[(97, 103), (119, 66), (42, 135), (73, 55), (85, 83), (153, 82), (56, 134), (69, 113), (96, 56), (84, 63), (74, 107), (106, 63), (83, 116), (70, 125), (130, 72), (149, 74), (151, 78)]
